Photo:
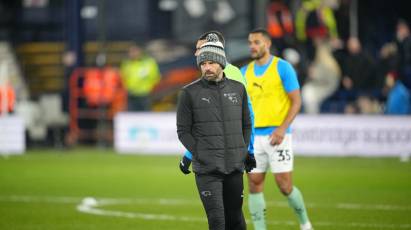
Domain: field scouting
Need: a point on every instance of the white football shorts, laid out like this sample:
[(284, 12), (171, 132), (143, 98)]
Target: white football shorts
[(279, 158)]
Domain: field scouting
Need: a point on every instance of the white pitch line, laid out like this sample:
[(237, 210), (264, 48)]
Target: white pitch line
[(194, 202), (95, 209), (349, 206), (382, 207), (42, 199)]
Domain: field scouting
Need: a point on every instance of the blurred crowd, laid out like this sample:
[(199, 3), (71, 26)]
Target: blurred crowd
[(336, 73), (351, 57)]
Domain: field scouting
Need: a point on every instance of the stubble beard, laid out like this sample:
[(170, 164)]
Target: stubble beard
[(211, 76), (258, 55)]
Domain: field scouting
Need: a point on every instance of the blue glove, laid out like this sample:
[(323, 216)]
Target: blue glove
[(185, 165), (250, 163)]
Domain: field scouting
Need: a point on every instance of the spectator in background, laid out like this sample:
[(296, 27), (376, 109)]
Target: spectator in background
[(7, 98), (140, 73), (360, 80), (313, 13), (280, 25), (323, 77), (403, 40), (398, 99), (367, 104), (387, 62), (316, 18), (358, 69)]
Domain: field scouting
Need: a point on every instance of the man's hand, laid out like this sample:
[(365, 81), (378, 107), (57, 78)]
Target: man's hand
[(277, 136), (185, 165), (250, 163)]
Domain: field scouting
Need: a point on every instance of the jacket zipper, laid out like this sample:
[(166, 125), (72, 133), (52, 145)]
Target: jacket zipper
[(223, 122)]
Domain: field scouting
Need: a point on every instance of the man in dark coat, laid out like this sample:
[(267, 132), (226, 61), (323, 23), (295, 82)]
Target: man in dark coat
[(213, 123)]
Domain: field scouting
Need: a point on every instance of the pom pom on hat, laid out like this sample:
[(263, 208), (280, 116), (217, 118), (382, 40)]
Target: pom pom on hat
[(212, 50)]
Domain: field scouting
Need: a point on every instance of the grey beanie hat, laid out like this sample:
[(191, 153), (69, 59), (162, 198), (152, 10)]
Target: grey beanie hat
[(212, 50)]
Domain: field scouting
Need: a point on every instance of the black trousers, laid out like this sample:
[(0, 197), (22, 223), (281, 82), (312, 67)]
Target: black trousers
[(222, 197)]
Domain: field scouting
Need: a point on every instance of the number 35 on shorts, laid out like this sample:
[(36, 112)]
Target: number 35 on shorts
[(283, 155)]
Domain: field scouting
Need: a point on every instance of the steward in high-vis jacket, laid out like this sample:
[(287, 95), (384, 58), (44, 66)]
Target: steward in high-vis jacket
[(213, 123)]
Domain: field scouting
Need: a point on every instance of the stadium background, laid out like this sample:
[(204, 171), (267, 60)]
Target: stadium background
[(53, 176)]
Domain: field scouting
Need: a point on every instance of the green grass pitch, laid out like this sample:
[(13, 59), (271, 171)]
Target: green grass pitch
[(45, 190)]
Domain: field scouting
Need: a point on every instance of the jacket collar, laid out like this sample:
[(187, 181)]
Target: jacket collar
[(214, 84)]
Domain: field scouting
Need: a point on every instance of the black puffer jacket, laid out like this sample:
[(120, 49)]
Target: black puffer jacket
[(213, 123)]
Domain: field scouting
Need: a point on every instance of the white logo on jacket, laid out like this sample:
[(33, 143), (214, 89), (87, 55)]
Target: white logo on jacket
[(232, 97), (207, 99)]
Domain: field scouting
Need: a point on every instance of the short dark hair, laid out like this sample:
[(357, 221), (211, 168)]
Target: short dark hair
[(262, 31), (218, 33)]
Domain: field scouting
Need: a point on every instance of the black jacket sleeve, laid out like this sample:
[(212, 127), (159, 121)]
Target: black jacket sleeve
[(246, 119), (185, 121)]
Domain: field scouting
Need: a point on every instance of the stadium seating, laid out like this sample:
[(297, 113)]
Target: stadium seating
[(43, 67)]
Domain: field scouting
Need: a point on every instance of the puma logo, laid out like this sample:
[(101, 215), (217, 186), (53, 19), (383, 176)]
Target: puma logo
[(206, 99), (258, 86)]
